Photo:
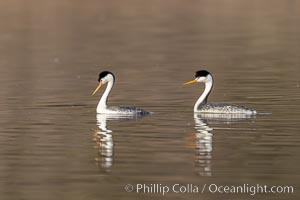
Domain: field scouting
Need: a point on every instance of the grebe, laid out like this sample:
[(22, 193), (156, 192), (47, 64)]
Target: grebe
[(201, 106), (109, 78)]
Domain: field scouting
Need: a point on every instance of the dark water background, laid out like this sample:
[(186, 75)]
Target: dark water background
[(52, 51)]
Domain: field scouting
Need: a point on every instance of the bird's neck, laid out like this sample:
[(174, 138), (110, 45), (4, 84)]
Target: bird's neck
[(204, 96), (102, 105)]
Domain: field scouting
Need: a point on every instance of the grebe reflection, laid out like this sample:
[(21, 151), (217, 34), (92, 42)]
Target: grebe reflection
[(204, 137), (204, 146), (104, 138)]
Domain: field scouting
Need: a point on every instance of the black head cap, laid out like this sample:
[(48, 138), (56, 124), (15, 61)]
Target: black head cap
[(201, 73), (103, 74)]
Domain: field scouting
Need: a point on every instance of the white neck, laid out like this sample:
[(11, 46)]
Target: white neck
[(102, 105), (203, 98)]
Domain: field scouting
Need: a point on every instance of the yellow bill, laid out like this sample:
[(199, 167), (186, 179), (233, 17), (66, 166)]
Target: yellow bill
[(98, 88), (190, 82)]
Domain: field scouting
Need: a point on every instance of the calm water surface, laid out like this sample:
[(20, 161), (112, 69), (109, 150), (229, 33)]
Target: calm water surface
[(52, 144)]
